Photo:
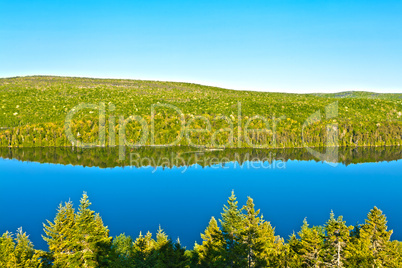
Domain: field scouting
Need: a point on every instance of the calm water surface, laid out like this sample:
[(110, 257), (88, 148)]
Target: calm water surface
[(183, 199)]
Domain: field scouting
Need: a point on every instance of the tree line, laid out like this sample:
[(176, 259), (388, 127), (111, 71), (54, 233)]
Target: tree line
[(240, 238), (221, 134)]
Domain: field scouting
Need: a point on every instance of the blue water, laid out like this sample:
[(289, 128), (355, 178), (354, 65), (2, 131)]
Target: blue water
[(182, 201)]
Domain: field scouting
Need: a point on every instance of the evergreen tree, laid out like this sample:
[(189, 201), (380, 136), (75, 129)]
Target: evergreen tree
[(171, 255), (311, 245), (60, 236), (122, 251), (143, 250), (92, 237), (232, 226), (272, 246), (290, 253), (246, 240), (194, 256), (161, 238), (211, 251), (262, 247), (7, 246), (251, 234), (336, 239), (393, 256), (24, 252), (18, 252), (375, 237), (160, 253), (357, 251), (78, 239)]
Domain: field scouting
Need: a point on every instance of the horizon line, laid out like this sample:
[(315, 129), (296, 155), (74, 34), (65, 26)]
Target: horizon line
[(201, 83)]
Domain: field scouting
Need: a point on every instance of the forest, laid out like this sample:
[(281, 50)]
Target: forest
[(33, 113), (241, 237)]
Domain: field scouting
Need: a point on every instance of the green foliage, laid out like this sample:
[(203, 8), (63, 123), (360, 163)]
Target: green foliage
[(144, 249), (311, 245), (146, 252), (7, 247), (18, 251), (78, 239), (243, 239), (263, 247), (33, 112), (375, 237), (122, 251), (60, 235), (211, 252), (232, 228), (171, 255), (336, 239)]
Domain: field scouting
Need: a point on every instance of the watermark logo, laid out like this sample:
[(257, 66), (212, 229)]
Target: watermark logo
[(197, 159), (331, 154)]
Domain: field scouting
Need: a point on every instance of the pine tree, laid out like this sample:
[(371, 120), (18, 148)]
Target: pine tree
[(78, 239), (123, 245), (60, 236), (122, 250), (143, 250), (7, 246), (210, 252), (336, 239), (290, 254), (311, 244), (92, 237), (24, 252), (160, 253), (18, 252), (272, 246), (357, 251), (393, 256), (171, 255), (262, 247), (232, 226), (251, 234), (161, 238), (375, 237)]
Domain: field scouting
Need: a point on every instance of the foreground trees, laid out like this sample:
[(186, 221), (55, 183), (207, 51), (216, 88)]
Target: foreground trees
[(211, 252), (336, 239), (241, 239), (17, 251), (147, 252), (78, 239)]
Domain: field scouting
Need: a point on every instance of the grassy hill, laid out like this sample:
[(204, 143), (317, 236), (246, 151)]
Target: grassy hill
[(33, 112)]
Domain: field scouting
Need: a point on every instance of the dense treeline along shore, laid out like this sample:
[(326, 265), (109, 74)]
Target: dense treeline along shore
[(179, 156), (240, 238), (33, 112)]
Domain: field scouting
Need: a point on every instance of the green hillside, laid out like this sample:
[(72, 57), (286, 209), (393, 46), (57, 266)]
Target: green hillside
[(33, 112)]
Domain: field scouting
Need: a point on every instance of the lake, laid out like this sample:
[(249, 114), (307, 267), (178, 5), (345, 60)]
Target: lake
[(181, 188)]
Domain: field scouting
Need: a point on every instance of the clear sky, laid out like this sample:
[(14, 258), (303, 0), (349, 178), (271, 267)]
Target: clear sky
[(270, 45)]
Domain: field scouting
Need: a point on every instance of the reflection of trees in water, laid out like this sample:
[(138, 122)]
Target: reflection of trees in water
[(185, 156)]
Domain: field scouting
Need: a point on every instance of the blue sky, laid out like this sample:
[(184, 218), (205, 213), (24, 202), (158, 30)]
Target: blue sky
[(271, 45)]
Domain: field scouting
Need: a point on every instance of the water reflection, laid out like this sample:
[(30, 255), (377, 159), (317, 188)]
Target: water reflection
[(187, 156)]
